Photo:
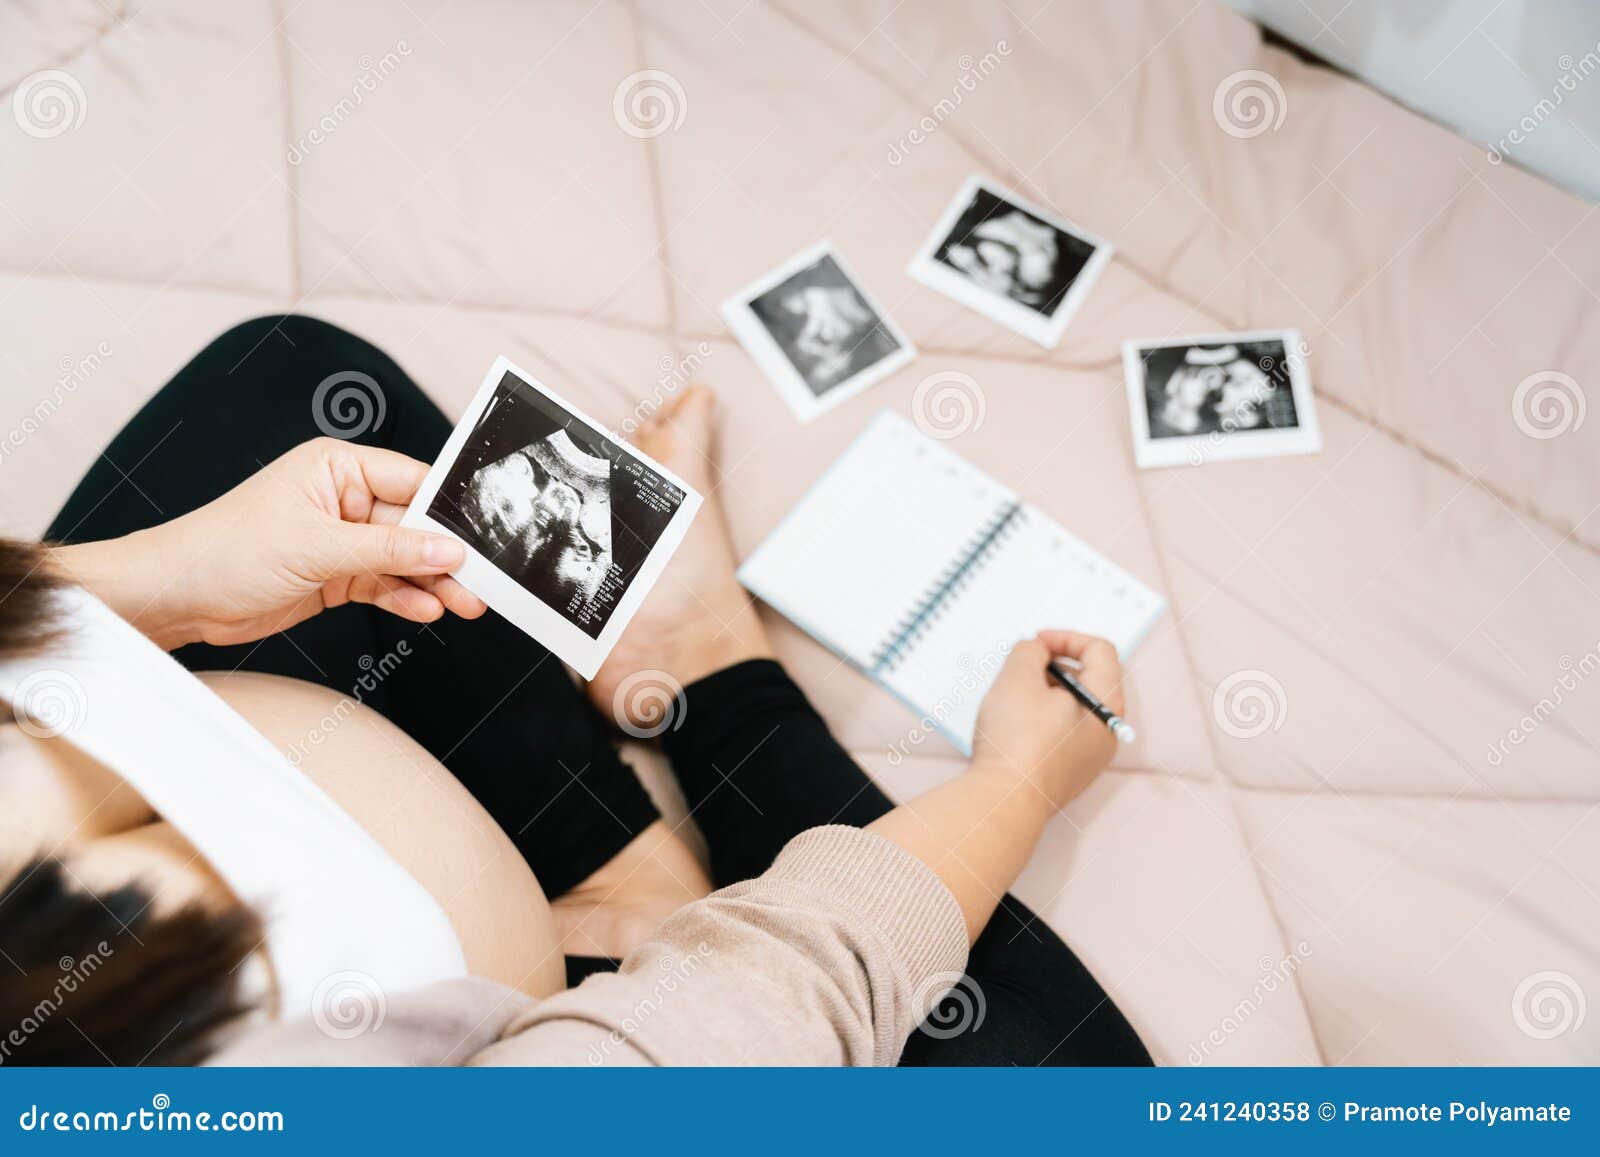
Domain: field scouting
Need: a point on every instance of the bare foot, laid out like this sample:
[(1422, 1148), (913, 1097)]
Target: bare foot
[(698, 619)]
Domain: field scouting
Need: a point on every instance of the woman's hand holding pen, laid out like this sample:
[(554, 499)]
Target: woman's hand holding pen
[(1036, 748), (1031, 729)]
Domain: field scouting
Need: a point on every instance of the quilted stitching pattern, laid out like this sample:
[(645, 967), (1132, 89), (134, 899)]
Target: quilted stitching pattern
[(1405, 598)]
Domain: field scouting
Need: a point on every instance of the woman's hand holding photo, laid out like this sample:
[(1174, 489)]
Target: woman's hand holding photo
[(314, 529)]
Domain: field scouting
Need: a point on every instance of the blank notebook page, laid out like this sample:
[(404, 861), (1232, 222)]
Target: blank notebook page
[(870, 539)]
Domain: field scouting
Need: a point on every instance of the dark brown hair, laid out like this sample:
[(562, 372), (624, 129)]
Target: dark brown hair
[(98, 980), (91, 979), (27, 585)]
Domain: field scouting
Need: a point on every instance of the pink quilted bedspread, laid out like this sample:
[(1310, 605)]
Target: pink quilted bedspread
[(1374, 872)]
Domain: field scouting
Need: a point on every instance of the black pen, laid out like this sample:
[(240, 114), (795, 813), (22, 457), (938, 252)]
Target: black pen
[(1119, 726)]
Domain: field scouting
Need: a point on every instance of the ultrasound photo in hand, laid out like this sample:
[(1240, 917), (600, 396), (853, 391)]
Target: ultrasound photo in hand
[(567, 512), (564, 510)]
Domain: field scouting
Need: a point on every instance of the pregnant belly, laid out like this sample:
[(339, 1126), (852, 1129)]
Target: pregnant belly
[(422, 816)]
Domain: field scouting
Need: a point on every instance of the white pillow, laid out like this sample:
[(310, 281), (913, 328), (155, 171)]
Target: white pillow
[(1521, 78)]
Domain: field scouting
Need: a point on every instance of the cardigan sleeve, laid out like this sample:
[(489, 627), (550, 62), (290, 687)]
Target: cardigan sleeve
[(832, 956)]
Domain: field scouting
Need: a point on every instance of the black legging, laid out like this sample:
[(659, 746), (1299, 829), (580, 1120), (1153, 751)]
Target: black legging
[(756, 763)]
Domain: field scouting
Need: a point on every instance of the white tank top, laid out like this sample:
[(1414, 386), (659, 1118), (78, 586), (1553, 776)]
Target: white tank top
[(340, 915)]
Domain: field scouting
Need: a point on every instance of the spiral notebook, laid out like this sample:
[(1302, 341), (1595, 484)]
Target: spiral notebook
[(921, 570)]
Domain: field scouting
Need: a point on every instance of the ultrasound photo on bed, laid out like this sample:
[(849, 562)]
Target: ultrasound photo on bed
[(824, 325), (1220, 396), (1008, 251), (1016, 263), (567, 512), (1230, 387)]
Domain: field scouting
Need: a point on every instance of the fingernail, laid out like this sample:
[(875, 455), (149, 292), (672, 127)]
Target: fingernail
[(442, 552)]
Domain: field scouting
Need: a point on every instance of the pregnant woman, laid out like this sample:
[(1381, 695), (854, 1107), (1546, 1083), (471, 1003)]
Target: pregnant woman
[(328, 831)]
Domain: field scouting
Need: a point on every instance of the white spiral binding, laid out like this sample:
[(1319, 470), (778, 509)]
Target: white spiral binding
[(951, 581)]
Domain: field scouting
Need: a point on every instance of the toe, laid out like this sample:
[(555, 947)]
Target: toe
[(660, 417), (693, 408)]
